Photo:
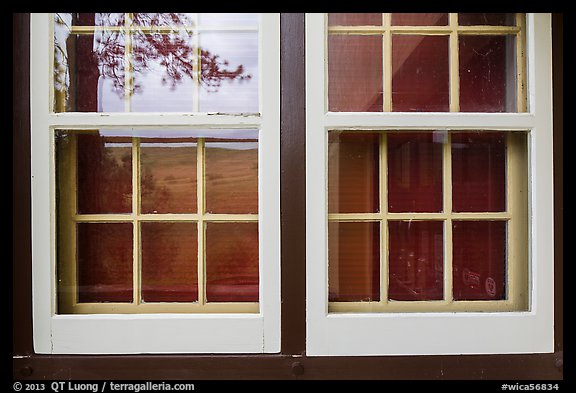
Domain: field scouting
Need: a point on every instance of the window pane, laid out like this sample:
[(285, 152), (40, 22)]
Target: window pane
[(162, 19), (90, 19), (231, 174), (354, 19), (487, 73), (104, 174), (355, 73), (164, 67), (169, 262), (229, 72), (479, 172), (419, 19), (420, 73), (415, 260), (353, 172), (479, 260), (494, 19), (104, 262), (228, 19), (168, 175), (415, 172), (353, 261), (232, 262)]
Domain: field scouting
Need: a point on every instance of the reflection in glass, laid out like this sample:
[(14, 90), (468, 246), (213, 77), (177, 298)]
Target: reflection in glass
[(228, 19), (104, 268), (354, 19), (355, 73), (479, 260), (419, 19), (168, 175), (420, 78), (169, 262), (493, 19), (136, 69), (487, 73), (479, 172), (415, 263), (353, 261), (353, 172), (232, 262), (104, 174), (415, 172), (228, 88), (231, 175)]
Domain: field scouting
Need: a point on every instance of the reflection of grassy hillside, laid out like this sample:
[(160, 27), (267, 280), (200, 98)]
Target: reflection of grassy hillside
[(231, 180), (168, 179)]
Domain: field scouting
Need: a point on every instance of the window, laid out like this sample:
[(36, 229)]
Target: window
[(424, 145), (156, 183)]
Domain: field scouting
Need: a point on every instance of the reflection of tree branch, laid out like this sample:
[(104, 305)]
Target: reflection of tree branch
[(174, 52)]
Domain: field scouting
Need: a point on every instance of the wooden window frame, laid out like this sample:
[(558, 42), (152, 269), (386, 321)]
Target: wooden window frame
[(220, 331), (424, 331), (293, 362)]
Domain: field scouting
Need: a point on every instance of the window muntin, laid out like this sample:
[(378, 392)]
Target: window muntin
[(167, 257), (435, 192), (142, 62), (426, 63)]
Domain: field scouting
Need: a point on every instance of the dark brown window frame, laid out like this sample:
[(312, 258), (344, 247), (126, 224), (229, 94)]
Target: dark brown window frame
[(292, 362)]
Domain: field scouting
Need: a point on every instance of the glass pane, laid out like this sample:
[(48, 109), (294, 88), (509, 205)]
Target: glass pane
[(415, 264), (162, 19), (479, 172), (353, 261), (168, 175), (164, 67), (104, 262), (419, 19), (90, 19), (493, 19), (104, 176), (415, 172), (353, 172), (420, 73), (231, 174), (232, 262), (487, 73), (479, 260), (228, 19), (229, 72), (89, 72), (169, 262), (354, 19), (355, 73)]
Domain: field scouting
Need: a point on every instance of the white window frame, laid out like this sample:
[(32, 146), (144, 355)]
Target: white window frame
[(153, 333), (432, 333)]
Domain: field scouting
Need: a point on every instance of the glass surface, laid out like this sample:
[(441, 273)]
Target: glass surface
[(487, 73), (231, 174), (493, 19), (415, 172), (415, 262), (104, 174), (420, 80), (228, 19), (168, 175), (229, 72), (479, 172), (169, 262), (353, 172), (232, 262), (355, 73), (354, 19), (104, 270), (419, 19), (353, 261), (167, 70), (479, 260)]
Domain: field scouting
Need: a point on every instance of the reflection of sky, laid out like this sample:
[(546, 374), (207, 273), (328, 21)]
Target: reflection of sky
[(175, 133)]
